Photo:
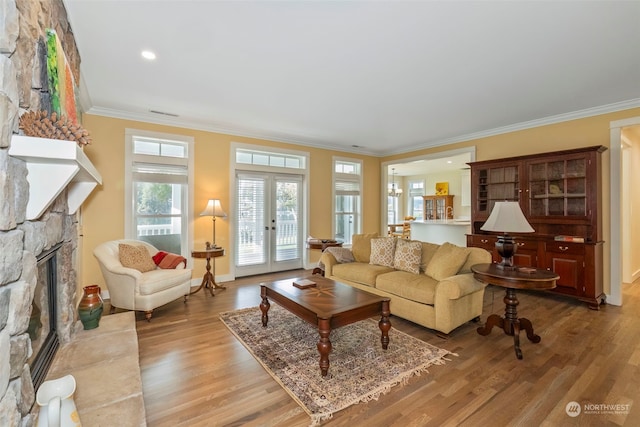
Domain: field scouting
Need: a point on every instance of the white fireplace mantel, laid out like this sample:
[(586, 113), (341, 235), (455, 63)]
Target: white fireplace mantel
[(54, 165)]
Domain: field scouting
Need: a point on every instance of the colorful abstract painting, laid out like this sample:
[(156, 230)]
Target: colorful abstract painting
[(61, 82)]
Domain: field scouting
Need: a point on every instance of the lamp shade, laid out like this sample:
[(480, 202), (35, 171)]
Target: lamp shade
[(213, 209), (507, 217)]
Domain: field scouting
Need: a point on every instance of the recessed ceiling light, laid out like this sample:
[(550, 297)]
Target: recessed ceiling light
[(147, 54), (449, 161)]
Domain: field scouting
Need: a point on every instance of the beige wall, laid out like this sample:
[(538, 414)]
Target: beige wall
[(102, 215)]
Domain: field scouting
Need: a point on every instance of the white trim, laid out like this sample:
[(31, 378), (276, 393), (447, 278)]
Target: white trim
[(318, 142), (615, 261)]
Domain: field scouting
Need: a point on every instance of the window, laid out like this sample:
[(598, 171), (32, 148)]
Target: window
[(158, 175), (416, 191), (392, 210), (347, 179), (265, 158)]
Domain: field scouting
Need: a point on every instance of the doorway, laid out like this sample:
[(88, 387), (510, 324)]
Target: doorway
[(268, 222)]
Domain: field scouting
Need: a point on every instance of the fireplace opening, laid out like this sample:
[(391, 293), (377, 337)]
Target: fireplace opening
[(44, 317)]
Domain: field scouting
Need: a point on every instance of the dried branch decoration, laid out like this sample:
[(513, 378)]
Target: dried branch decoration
[(38, 123)]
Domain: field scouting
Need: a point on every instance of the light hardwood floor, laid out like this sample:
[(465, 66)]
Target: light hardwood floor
[(196, 373)]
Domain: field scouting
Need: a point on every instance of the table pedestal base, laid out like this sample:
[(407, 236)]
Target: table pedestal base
[(209, 281), (510, 323)]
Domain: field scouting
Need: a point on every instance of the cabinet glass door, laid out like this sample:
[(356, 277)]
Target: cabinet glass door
[(558, 188)]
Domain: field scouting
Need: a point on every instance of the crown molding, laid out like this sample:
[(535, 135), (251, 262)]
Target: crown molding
[(310, 141)]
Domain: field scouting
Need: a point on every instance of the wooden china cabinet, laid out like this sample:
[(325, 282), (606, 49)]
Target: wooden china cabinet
[(437, 207), (560, 193)]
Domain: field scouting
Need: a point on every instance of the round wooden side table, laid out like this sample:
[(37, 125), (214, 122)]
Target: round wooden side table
[(209, 279), (529, 278)]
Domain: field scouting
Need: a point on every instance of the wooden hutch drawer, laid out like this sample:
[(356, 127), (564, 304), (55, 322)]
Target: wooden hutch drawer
[(480, 241), (565, 247), (527, 245)]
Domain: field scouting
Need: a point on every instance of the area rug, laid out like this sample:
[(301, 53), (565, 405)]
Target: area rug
[(360, 370)]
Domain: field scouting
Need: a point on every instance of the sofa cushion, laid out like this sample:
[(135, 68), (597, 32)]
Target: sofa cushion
[(407, 256), (137, 257), (476, 256), (447, 260), (361, 246), (414, 287), (382, 251), (359, 272), (428, 251)]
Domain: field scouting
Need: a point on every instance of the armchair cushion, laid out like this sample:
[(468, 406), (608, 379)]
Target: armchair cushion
[(137, 257)]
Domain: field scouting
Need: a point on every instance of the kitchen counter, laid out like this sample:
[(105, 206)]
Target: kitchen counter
[(444, 221), (441, 230)]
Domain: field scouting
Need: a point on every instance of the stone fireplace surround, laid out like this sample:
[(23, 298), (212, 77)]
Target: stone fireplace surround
[(22, 87)]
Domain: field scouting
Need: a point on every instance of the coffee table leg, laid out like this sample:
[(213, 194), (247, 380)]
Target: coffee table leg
[(385, 325), (264, 307), (324, 345)]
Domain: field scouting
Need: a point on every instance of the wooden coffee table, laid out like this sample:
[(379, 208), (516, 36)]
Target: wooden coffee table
[(328, 306)]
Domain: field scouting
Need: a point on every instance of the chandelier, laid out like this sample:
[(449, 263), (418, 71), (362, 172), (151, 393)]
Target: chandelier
[(394, 191)]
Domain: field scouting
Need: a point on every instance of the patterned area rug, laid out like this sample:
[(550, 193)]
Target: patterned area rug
[(360, 370)]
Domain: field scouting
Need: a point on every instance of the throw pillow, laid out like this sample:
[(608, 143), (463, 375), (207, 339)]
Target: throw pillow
[(408, 256), (382, 251), (446, 261), (137, 257), (361, 246)]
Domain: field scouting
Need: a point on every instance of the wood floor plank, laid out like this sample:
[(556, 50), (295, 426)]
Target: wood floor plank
[(196, 373)]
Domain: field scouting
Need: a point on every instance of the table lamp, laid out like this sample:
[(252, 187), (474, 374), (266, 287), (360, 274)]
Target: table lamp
[(213, 209), (507, 217)]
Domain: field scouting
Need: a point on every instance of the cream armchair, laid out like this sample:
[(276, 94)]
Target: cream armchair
[(132, 290)]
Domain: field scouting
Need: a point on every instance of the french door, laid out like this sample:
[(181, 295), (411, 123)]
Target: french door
[(268, 225)]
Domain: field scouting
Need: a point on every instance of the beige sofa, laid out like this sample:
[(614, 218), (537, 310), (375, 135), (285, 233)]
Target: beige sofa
[(437, 290)]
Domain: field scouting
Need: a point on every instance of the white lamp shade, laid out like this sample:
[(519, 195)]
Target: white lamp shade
[(507, 217), (214, 209)]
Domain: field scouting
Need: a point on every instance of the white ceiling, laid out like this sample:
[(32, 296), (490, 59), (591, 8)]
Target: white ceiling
[(385, 76)]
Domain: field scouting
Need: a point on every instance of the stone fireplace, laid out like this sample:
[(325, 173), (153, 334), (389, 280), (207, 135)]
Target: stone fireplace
[(22, 242)]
